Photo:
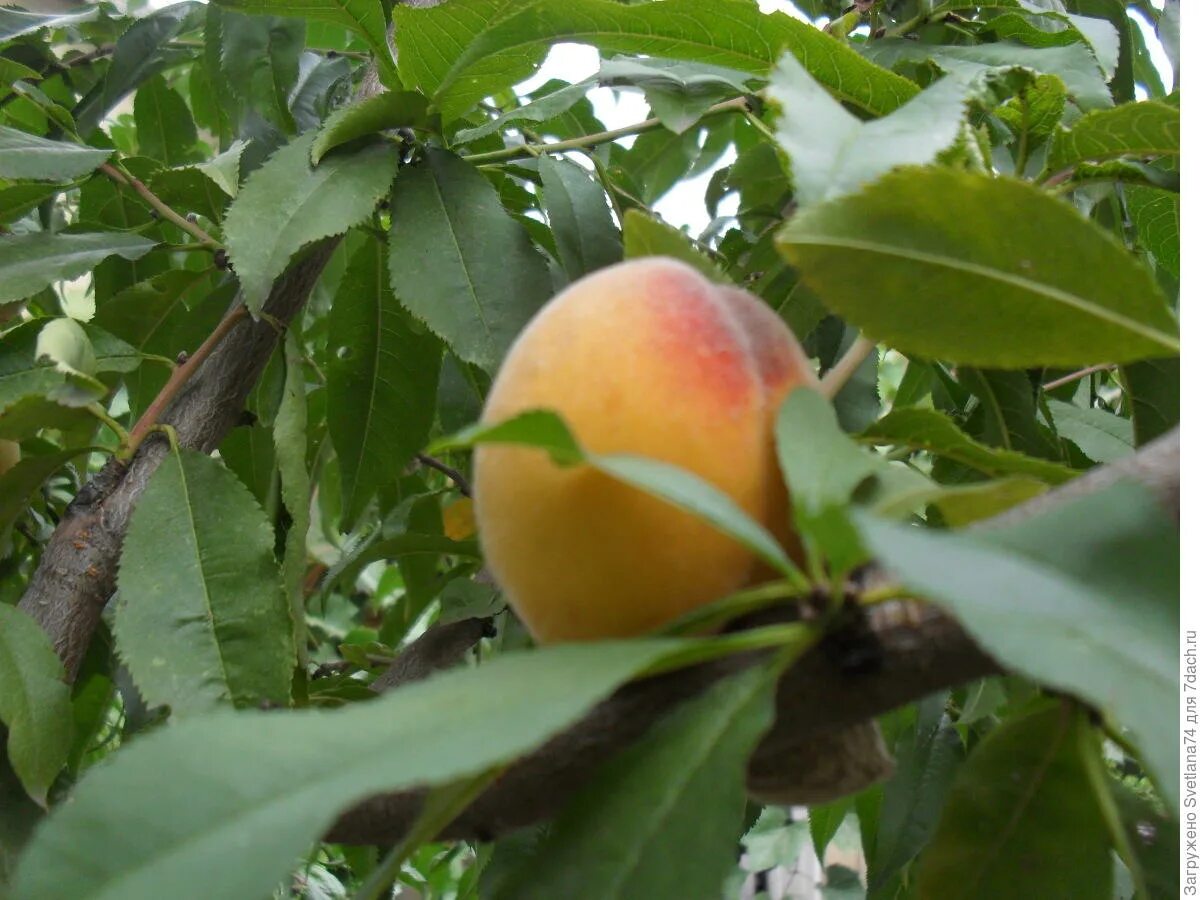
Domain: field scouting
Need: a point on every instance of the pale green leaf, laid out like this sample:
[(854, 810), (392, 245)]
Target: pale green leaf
[(541, 109), (27, 156), (30, 262), (449, 230), (833, 152), (35, 702), (287, 204), (255, 789), (821, 465), (199, 587), (1084, 599), (981, 270)]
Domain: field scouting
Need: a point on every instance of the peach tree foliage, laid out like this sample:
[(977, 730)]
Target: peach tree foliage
[(969, 214)]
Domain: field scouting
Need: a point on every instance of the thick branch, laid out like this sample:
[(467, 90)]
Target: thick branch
[(915, 650), (822, 739), (77, 571)]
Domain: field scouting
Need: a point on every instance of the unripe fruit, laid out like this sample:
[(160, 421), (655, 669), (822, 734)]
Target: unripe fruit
[(644, 357)]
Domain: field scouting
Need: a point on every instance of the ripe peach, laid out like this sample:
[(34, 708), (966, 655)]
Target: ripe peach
[(644, 357)]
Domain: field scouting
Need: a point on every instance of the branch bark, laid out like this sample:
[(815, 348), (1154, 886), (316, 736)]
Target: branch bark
[(77, 571)]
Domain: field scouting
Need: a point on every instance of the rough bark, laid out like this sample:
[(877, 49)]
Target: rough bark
[(822, 743), (78, 568)]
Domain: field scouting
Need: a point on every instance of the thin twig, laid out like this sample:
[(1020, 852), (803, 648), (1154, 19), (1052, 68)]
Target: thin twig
[(161, 208), (460, 480), (1075, 376), (177, 380), (737, 104), (835, 379)]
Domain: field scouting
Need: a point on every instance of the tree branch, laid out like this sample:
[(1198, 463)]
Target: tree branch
[(77, 571), (822, 744), (159, 207), (737, 104)]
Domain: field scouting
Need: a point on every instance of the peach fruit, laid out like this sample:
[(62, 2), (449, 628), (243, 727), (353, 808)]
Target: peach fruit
[(650, 358)]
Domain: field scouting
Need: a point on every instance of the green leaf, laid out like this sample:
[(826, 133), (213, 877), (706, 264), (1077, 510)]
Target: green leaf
[(932, 431), (18, 199), (165, 128), (17, 22), (716, 32), (1022, 819), (391, 109), (449, 229), (963, 504), (290, 432), (821, 464), (19, 483), (140, 52), (1074, 64), (584, 232), (364, 17), (170, 313), (833, 152), (383, 374), (1156, 215), (260, 66), (928, 755), (430, 40), (1084, 599), (1007, 406), (224, 169), (696, 496), (678, 92), (1102, 436), (287, 204), (35, 702), (1141, 129), (258, 788), (30, 262), (199, 586), (536, 428), (984, 271), (1153, 836), (647, 235), (541, 109), (545, 430), (27, 156), (1153, 385), (677, 794)]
